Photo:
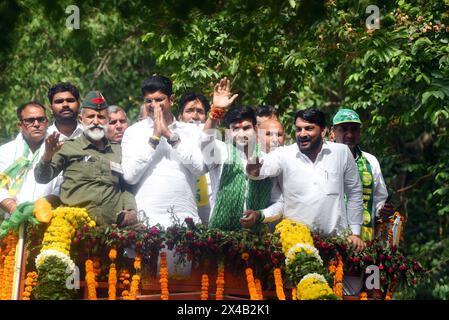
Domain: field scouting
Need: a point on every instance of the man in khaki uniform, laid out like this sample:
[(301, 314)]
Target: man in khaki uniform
[(91, 167)]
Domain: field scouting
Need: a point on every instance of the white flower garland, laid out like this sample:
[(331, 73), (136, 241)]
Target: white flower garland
[(314, 275), (40, 259), (304, 247)]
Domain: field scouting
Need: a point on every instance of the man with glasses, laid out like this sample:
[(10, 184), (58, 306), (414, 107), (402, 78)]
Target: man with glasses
[(91, 168), (19, 157)]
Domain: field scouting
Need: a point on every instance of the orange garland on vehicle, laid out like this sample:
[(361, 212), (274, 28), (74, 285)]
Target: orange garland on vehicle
[(338, 278), (259, 289), (30, 282), (8, 262), (204, 287), (112, 278), (90, 280), (251, 285), (220, 282), (363, 296), (279, 284), (124, 276), (163, 276), (294, 296), (136, 278)]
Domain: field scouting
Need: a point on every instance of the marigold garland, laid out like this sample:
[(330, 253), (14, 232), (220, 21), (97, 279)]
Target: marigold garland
[(90, 280), (112, 278), (388, 295), (62, 228), (134, 287), (293, 233), (313, 287), (112, 282), (204, 287), (363, 296), (279, 284), (258, 289), (124, 277), (251, 285), (294, 294), (163, 276), (136, 278), (220, 282), (8, 263), (30, 282), (338, 278)]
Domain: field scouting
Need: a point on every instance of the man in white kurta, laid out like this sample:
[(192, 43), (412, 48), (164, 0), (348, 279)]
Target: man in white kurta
[(316, 176), (33, 124)]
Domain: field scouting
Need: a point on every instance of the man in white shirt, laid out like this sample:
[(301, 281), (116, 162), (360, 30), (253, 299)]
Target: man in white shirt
[(316, 176), (64, 100), (161, 157), (20, 156), (193, 108), (346, 129), (64, 104), (272, 135)]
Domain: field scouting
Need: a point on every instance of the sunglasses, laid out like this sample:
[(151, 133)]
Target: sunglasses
[(30, 121), (69, 100)]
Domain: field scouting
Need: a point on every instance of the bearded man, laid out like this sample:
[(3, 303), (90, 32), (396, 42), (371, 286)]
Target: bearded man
[(91, 167)]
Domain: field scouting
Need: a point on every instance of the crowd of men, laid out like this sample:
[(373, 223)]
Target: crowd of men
[(164, 167)]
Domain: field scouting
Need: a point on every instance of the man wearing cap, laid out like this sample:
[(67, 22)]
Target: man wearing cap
[(346, 129), (91, 167)]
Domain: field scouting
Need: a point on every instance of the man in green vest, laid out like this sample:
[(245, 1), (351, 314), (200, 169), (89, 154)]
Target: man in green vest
[(91, 166), (346, 130)]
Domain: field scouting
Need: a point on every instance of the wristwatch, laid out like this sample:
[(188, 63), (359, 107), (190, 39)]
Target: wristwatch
[(174, 138)]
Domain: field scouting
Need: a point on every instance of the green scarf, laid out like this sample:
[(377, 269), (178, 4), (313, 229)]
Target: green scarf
[(366, 176), (233, 194), (13, 176)]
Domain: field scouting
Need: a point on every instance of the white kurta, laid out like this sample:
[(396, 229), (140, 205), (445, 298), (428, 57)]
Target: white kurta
[(314, 192), (165, 177), (30, 190)]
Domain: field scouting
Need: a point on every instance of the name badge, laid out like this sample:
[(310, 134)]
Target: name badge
[(116, 167)]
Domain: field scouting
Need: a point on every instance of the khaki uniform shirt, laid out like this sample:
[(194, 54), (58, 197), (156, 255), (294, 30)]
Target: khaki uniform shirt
[(92, 178)]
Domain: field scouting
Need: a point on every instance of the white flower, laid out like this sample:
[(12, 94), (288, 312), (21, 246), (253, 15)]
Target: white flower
[(40, 259), (314, 275), (304, 247)]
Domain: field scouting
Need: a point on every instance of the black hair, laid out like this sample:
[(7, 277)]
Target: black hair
[(266, 111), (312, 115), (157, 83), (63, 87), (26, 104), (239, 113), (192, 96)]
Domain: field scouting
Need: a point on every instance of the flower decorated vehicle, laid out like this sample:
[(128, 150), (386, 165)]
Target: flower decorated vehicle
[(67, 257)]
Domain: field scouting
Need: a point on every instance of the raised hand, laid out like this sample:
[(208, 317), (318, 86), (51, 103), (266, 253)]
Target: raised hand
[(253, 167), (223, 97), (52, 145)]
